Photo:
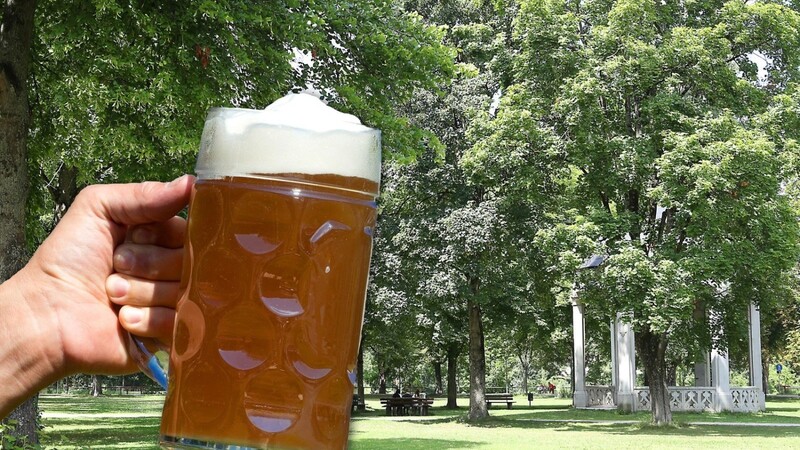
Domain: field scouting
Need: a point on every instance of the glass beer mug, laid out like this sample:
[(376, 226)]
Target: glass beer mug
[(275, 271)]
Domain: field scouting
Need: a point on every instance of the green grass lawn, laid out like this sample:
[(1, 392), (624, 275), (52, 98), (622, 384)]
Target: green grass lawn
[(106, 422), (131, 422)]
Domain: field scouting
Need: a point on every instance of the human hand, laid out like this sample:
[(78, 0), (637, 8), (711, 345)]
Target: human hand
[(146, 282), (55, 314)]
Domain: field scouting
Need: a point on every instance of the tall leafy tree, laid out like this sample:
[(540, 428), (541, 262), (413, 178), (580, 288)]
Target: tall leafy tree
[(474, 239), (414, 195), (675, 160)]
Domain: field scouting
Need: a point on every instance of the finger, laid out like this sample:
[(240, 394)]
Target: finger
[(138, 203), (149, 261), (156, 322), (169, 233), (126, 290)]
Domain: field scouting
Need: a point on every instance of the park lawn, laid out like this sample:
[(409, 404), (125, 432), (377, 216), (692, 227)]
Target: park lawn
[(131, 422), (105, 422), (509, 434)]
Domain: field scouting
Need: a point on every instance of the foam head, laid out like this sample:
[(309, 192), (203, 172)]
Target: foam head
[(298, 134)]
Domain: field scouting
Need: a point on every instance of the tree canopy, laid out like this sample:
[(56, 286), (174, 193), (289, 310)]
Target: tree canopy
[(671, 163), (120, 90)]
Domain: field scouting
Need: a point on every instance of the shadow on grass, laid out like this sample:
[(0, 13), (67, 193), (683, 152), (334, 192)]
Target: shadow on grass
[(443, 411), (410, 444), (136, 433), (780, 409), (84, 404), (782, 399), (517, 414)]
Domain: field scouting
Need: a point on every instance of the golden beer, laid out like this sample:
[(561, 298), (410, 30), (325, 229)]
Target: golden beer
[(268, 326)]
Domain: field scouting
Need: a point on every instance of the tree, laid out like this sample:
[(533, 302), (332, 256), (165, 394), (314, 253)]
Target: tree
[(97, 386), (16, 36), (120, 90), (670, 155), (413, 195), (464, 248)]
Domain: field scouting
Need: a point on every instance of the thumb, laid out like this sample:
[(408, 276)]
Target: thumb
[(138, 203)]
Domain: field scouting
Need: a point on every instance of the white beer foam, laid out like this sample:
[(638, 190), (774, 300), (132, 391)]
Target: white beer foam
[(296, 134)]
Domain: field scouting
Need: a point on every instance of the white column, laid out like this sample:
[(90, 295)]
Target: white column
[(614, 363), (756, 375), (626, 364), (721, 380), (702, 374), (579, 397)]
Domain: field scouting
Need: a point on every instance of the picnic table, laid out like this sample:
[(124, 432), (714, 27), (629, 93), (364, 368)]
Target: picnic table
[(404, 406), (788, 389)]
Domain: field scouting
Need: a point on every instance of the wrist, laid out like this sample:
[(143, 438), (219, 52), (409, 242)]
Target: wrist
[(30, 356)]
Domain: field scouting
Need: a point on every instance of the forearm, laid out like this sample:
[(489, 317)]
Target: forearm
[(27, 365)]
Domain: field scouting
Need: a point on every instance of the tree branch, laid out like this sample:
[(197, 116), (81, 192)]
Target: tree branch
[(604, 199)]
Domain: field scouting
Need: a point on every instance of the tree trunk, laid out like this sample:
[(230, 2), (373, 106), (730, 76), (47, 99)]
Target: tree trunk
[(672, 374), (362, 405), (437, 375), (64, 191), (97, 386), (16, 36), (25, 417), (382, 383), (477, 363), (453, 349), (652, 350), (525, 378)]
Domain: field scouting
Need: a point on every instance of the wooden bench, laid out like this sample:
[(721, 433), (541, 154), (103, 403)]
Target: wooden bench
[(404, 406), (505, 397)]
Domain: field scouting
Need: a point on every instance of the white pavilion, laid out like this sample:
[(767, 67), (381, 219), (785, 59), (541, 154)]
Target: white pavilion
[(712, 390)]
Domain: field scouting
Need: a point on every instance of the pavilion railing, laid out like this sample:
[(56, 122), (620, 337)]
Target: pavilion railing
[(600, 396), (702, 398), (692, 399), (745, 399)]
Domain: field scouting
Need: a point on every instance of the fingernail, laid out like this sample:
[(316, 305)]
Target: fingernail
[(131, 315), (123, 259), (143, 236), (118, 287)]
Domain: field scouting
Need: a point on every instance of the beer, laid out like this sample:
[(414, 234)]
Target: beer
[(276, 266)]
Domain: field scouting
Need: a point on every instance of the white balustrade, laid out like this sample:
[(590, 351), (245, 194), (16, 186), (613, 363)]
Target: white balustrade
[(745, 399), (696, 399), (699, 399), (642, 399), (600, 395)]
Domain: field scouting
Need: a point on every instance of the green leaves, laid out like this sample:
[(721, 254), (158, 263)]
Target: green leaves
[(120, 90), (676, 151)]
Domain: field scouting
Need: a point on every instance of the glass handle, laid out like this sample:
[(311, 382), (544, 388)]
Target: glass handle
[(151, 356)]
